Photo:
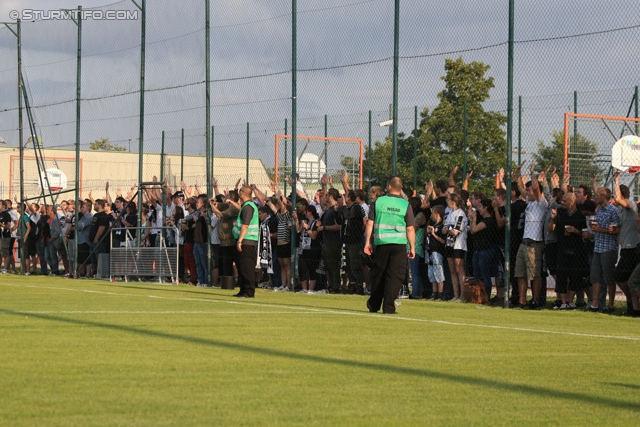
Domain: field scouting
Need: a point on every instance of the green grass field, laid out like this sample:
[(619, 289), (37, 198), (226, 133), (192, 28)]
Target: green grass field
[(82, 352)]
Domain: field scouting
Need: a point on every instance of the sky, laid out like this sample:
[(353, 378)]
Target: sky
[(251, 59)]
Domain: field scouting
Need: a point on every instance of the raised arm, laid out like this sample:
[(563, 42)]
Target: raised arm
[(452, 176), (465, 184), (620, 201)]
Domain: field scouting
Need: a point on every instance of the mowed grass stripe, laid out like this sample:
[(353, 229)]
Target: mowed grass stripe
[(329, 311), (327, 369)]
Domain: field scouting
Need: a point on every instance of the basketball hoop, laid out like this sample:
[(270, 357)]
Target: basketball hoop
[(633, 169)]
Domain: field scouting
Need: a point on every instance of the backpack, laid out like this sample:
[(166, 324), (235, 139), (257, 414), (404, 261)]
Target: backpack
[(475, 292)]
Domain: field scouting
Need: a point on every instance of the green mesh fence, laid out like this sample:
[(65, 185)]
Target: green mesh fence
[(452, 91)]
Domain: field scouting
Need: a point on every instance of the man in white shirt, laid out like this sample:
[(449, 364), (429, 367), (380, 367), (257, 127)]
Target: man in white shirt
[(529, 257)]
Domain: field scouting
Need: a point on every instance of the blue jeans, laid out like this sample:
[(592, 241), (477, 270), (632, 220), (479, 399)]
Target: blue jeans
[(200, 255), (41, 255), (51, 255), (484, 266), (416, 281)]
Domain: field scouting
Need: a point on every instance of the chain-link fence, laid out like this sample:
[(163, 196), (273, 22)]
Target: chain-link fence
[(168, 91)]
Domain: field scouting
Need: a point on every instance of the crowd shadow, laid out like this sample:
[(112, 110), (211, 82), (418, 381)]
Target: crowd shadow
[(525, 389)]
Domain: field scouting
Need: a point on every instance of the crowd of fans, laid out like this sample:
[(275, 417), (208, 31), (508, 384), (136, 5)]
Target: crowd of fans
[(585, 237)]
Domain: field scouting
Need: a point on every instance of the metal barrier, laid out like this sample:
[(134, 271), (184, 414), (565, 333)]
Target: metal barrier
[(129, 260)]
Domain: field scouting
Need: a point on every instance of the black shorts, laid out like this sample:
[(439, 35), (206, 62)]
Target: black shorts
[(284, 251), (31, 246), (454, 253), (626, 264)]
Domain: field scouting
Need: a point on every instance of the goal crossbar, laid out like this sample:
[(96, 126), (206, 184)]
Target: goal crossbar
[(567, 116), (358, 141)]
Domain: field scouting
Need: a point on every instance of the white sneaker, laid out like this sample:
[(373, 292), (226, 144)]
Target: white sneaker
[(282, 289), (311, 292), (3, 271)]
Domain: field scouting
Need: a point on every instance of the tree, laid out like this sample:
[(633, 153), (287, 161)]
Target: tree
[(103, 144), (440, 136), (582, 163)]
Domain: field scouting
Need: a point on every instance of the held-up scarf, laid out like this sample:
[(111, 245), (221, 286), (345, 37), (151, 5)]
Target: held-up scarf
[(264, 255)]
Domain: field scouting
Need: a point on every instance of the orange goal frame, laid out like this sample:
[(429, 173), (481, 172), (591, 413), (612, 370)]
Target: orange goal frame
[(586, 116), (358, 141)]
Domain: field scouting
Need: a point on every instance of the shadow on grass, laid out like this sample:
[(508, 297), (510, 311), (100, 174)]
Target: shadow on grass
[(424, 373), (217, 292), (631, 386)]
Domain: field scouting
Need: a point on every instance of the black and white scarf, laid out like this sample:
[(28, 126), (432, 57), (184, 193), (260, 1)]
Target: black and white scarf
[(264, 255)]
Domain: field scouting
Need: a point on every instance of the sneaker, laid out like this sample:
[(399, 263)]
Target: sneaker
[(497, 301), (608, 310), (50, 274), (322, 292), (367, 291), (27, 274), (556, 305), (3, 271), (592, 309), (68, 276), (572, 306), (580, 303), (311, 292), (564, 307), (282, 289)]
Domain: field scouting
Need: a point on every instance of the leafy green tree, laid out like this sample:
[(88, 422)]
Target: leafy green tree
[(440, 137), (582, 163), (103, 144)]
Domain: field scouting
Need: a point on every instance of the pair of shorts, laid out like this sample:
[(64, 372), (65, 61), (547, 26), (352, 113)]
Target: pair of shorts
[(627, 262), (284, 251), (435, 270), (5, 247), (602, 267), (454, 253), (529, 260), (32, 249)]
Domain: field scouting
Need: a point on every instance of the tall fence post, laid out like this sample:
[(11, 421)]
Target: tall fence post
[(575, 125), (143, 29), (246, 167), (24, 254), (294, 117), (464, 141), (519, 129), (286, 158), (162, 158), (78, 93), (507, 234), (326, 144), (415, 148), (369, 156), (181, 155), (396, 60)]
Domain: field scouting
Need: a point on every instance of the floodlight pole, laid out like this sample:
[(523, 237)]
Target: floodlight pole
[(208, 153), (396, 49), (507, 235), (143, 25), (76, 213), (369, 156), (24, 253), (294, 116)]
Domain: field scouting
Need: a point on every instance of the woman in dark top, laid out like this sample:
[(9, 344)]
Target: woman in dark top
[(484, 229), (310, 246)]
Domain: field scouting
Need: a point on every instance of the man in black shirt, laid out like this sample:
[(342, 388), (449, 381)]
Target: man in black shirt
[(99, 226), (573, 266), (354, 230), (332, 245)]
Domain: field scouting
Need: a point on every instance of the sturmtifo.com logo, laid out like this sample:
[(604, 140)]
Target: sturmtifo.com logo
[(59, 15)]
